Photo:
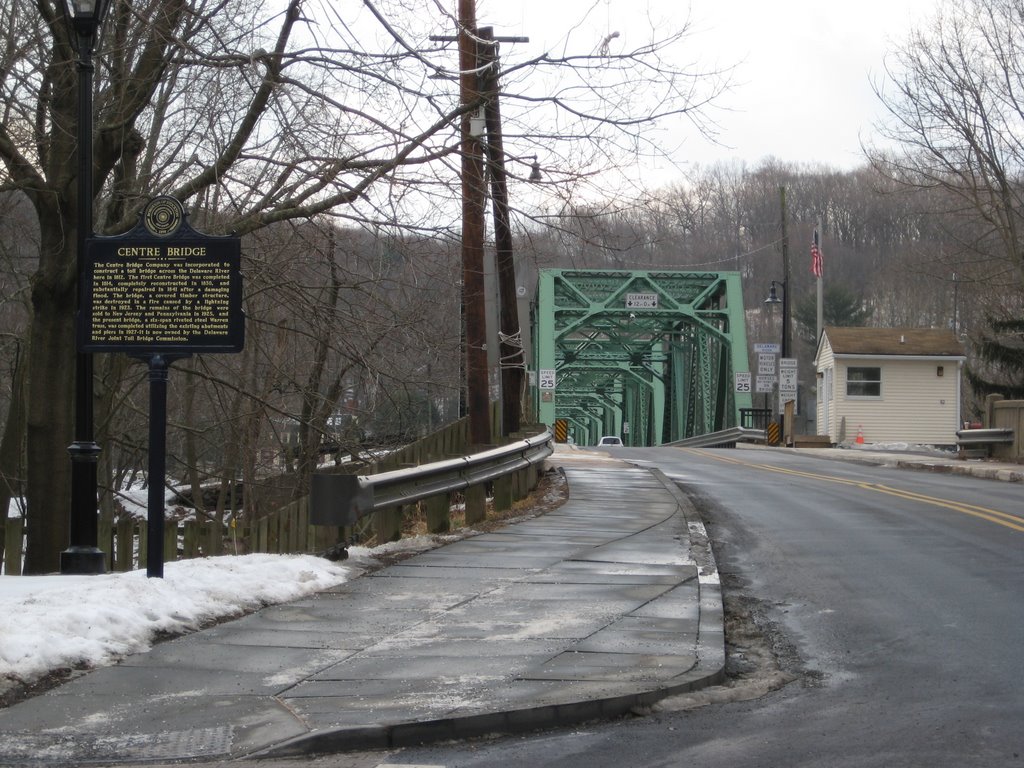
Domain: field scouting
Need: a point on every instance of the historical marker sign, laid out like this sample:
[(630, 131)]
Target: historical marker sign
[(160, 292), (162, 288)]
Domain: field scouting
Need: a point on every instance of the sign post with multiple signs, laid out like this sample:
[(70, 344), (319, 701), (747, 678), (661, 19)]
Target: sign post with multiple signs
[(787, 381), (161, 292), (773, 374)]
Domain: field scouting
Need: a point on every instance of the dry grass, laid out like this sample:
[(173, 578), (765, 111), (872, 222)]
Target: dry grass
[(551, 492)]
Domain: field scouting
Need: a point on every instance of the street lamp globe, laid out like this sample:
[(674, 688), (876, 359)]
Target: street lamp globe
[(87, 15), (535, 174)]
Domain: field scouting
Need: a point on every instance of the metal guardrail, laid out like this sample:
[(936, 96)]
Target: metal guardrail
[(983, 437), (756, 418), (724, 438), (344, 499)]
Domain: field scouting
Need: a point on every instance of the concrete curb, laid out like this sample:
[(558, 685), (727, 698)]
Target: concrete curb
[(985, 470), (708, 670)]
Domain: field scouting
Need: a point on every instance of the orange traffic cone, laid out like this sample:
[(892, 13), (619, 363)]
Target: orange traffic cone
[(860, 435)]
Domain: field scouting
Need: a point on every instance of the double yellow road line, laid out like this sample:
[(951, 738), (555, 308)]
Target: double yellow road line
[(985, 513)]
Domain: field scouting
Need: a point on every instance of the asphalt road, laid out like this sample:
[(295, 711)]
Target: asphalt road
[(895, 597)]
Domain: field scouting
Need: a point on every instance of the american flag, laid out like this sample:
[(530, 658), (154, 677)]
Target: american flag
[(817, 268)]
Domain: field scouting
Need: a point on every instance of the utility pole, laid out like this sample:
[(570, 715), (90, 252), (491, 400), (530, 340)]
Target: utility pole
[(509, 332), (785, 276), (786, 286), (478, 81), (475, 329)]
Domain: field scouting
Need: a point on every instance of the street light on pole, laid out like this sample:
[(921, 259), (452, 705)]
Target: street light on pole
[(83, 556), (772, 300)]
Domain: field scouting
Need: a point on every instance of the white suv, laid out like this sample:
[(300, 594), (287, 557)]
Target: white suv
[(609, 440)]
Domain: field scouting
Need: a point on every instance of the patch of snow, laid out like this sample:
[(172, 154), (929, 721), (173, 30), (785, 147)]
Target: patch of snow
[(68, 622)]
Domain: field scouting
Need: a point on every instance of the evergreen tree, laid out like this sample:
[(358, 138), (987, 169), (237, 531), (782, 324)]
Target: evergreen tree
[(842, 308), (1001, 361)]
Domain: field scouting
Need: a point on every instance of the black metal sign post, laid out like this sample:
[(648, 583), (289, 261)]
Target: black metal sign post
[(161, 292), (158, 368)]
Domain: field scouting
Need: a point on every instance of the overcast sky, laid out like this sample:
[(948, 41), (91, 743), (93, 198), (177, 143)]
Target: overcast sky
[(804, 67)]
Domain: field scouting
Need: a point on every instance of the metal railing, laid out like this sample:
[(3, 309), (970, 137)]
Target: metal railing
[(983, 437), (724, 438), (344, 499), (756, 418)]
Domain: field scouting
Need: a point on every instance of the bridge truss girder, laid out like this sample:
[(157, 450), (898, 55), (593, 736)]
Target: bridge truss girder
[(651, 371)]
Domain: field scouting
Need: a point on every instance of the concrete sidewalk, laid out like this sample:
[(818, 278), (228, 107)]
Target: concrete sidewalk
[(608, 603), (986, 469)]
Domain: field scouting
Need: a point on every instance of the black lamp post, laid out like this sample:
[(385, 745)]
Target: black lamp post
[(83, 556)]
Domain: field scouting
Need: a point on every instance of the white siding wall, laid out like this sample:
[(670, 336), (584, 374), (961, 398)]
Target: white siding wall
[(829, 426), (916, 406)]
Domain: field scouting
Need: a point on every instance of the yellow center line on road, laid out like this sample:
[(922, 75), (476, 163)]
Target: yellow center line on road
[(984, 513)]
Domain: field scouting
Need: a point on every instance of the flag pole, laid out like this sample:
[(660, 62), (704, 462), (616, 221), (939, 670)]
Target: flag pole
[(821, 292)]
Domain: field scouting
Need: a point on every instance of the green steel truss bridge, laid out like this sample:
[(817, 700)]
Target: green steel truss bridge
[(647, 356)]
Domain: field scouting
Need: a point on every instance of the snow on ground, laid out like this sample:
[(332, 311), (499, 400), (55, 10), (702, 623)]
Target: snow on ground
[(912, 448), (53, 623)]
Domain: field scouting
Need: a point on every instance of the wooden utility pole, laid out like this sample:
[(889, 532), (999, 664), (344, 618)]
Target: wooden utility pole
[(785, 276), (787, 350), (509, 332), (475, 328)]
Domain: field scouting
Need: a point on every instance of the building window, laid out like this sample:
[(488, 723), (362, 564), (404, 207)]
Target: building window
[(863, 382)]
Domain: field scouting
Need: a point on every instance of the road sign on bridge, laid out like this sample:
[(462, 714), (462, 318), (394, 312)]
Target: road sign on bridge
[(657, 350)]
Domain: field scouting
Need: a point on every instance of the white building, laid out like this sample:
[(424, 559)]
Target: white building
[(880, 385)]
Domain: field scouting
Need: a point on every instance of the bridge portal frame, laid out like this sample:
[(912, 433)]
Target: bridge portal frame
[(647, 355)]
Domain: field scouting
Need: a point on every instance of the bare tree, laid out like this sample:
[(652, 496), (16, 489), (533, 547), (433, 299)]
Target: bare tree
[(17, 240), (252, 117), (953, 93)]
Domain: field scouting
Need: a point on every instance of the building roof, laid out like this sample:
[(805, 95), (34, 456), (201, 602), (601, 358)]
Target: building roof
[(918, 342)]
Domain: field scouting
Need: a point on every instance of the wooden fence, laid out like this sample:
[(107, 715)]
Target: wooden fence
[(1006, 414), (287, 530)]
